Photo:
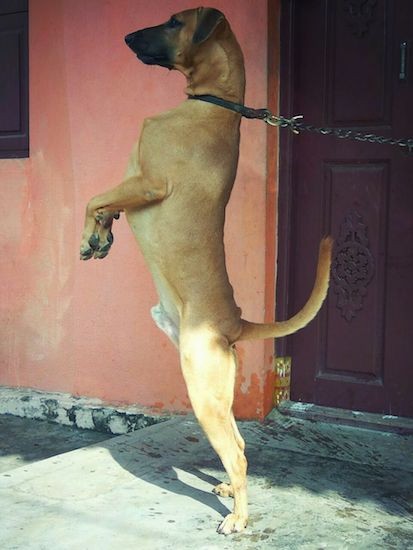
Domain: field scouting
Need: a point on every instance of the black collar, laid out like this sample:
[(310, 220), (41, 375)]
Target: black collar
[(242, 110)]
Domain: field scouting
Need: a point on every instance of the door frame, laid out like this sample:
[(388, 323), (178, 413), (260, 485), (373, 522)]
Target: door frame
[(284, 224), (272, 182)]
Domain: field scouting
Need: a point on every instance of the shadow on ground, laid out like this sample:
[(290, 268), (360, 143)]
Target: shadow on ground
[(25, 440), (297, 469), (311, 485)]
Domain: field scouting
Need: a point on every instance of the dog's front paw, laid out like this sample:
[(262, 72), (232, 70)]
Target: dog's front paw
[(88, 247), (96, 247), (232, 523), (98, 243)]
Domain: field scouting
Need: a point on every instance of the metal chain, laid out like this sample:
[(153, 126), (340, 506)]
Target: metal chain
[(296, 127)]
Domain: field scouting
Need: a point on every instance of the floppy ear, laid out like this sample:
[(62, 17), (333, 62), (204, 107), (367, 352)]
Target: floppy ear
[(208, 21)]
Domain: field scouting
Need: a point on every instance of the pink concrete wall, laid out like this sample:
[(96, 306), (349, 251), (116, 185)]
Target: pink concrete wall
[(84, 327)]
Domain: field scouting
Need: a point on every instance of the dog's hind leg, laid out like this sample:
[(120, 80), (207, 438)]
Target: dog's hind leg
[(209, 366), (225, 489)]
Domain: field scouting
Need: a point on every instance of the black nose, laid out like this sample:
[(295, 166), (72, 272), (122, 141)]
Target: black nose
[(129, 39)]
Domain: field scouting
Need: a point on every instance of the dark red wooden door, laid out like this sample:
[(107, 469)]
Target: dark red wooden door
[(346, 63)]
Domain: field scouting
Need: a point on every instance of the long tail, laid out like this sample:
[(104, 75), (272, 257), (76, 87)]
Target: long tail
[(256, 331)]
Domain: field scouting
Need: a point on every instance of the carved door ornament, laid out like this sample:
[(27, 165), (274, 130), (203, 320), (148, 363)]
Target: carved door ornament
[(360, 14), (353, 265)]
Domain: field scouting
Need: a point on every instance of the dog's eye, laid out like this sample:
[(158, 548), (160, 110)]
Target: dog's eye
[(174, 23)]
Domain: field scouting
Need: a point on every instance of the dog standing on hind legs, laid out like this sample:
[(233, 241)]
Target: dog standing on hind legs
[(178, 182)]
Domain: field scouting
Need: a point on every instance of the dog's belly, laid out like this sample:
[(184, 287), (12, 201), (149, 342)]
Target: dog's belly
[(188, 269), (167, 313)]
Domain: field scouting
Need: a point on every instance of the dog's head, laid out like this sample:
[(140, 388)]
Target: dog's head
[(173, 43)]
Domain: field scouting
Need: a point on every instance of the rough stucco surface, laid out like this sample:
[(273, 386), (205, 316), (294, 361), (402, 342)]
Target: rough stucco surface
[(85, 328)]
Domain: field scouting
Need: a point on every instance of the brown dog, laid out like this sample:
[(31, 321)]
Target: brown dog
[(174, 195)]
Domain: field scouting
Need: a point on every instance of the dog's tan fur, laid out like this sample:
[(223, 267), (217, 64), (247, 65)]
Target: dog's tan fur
[(174, 195)]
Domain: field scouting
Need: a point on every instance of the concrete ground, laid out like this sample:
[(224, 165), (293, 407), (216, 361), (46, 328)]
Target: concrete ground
[(312, 485), (24, 440)]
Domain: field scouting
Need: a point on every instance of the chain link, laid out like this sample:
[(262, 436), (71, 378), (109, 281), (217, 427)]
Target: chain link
[(296, 126)]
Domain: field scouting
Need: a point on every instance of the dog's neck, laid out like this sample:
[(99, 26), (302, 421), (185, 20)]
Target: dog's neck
[(215, 72)]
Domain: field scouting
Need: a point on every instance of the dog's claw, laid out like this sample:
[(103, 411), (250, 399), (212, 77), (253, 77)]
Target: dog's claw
[(103, 251), (86, 254), (94, 241)]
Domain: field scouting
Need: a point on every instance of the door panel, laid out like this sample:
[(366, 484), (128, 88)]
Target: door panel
[(367, 42), (340, 68)]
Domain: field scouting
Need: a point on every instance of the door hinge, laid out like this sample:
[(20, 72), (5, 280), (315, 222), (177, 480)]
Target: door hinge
[(282, 385)]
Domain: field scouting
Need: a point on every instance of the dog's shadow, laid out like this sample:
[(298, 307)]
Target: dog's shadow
[(181, 461), (163, 464)]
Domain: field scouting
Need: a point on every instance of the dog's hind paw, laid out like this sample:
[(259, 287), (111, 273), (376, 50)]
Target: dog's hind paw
[(223, 490), (232, 524)]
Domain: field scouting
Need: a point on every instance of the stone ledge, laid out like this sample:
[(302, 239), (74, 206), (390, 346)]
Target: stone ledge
[(385, 423), (80, 412)]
